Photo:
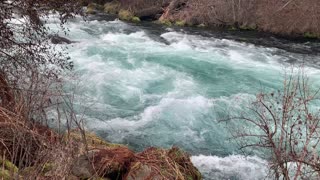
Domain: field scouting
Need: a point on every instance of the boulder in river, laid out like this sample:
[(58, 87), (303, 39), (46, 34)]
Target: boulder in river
[(56, 39)]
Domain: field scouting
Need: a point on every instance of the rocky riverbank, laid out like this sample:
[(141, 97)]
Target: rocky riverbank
[(286, 18), (95, 158)]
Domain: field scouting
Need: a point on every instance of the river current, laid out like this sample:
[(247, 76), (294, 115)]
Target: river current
[(147, 86)]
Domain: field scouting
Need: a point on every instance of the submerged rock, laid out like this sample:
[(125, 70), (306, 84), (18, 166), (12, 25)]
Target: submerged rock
[(56, 39)]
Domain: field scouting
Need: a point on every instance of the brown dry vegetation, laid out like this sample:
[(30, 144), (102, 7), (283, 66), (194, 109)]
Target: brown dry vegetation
[(286, 127), (142, 4), (154, 163), (29, 85), (286, 17)]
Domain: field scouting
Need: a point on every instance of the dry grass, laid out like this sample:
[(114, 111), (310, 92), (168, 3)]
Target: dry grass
[(288, 17), (166, 164), (28, 143), (137, 5)]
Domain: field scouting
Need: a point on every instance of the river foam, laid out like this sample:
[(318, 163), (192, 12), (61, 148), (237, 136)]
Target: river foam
[(170, 88), (231, 167)]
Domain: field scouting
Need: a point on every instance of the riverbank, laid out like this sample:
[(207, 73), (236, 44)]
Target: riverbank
[(83, 155), (287, 19)]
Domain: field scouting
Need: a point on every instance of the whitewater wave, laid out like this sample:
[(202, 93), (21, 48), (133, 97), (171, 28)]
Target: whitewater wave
[(231, 167), (142, 91)]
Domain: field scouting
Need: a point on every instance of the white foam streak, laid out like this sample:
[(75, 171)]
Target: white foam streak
[(152, 113)]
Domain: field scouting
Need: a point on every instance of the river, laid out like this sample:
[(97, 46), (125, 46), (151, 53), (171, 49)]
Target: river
[(148, 85)]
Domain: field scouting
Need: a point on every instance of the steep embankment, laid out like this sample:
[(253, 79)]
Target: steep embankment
[(289, 17)]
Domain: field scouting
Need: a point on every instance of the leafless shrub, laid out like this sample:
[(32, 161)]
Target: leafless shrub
[(285, 123), (282, 17), (30, 81), (137, 5)]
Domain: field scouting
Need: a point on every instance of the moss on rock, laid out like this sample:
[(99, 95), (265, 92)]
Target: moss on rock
[(92, 140), (93, 8), (310, 35), (112, 7), (180, 23), (125, 15), (136, 19), (109, 160), (165, 22)]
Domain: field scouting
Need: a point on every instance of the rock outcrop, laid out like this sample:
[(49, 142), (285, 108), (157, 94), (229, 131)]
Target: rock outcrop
[(87, 156), (114, 161), (56, 39)]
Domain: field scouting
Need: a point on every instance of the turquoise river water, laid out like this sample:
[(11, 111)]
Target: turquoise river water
[(144, 86)]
